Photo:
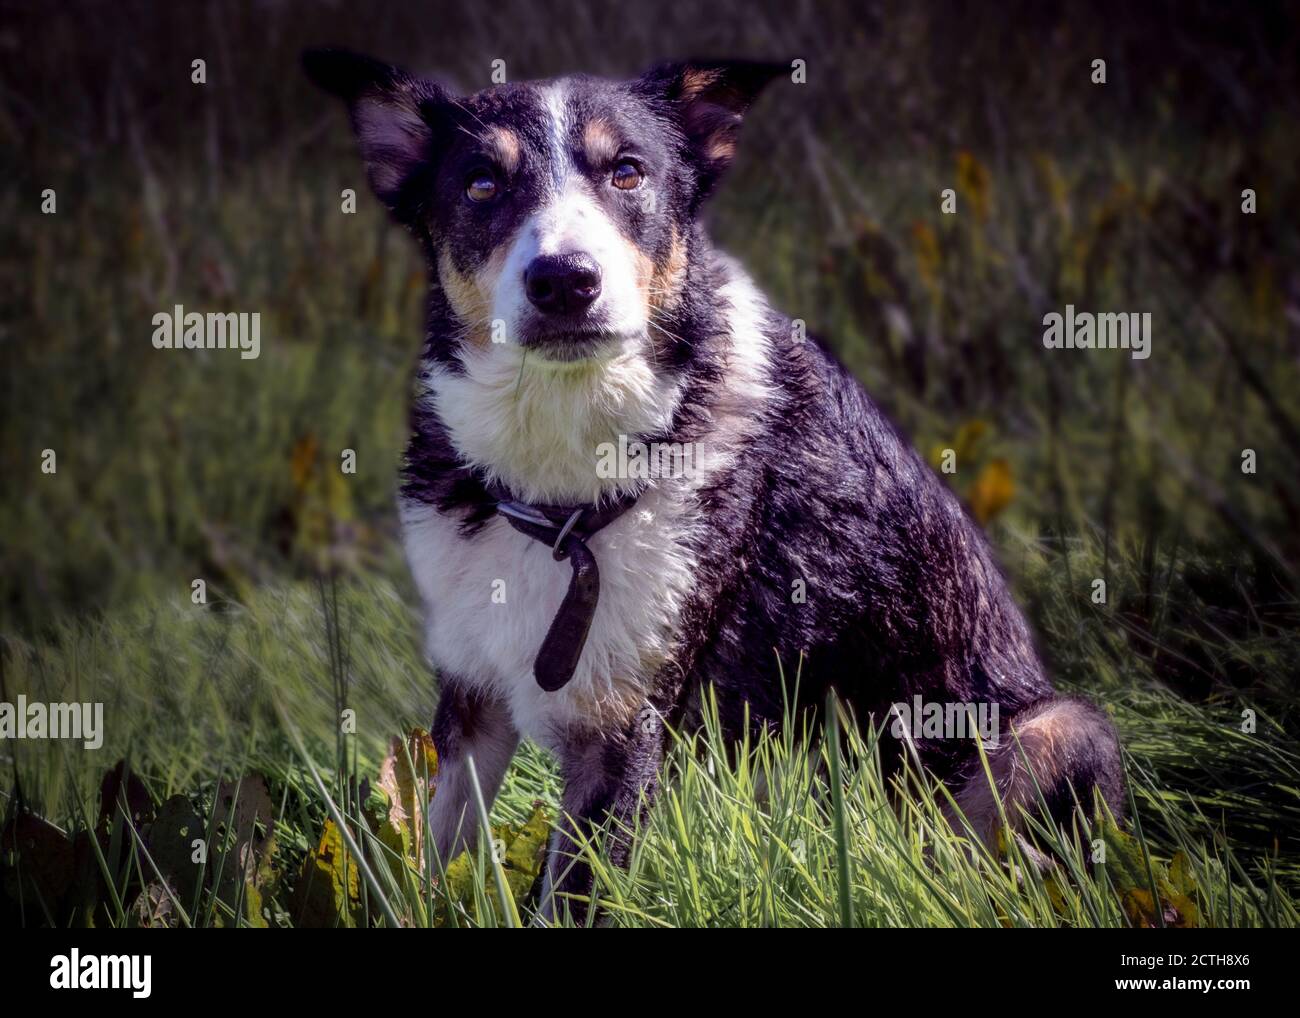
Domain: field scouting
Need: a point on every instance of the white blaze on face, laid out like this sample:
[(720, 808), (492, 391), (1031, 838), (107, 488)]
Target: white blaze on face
[(571, 221), (535, 424)]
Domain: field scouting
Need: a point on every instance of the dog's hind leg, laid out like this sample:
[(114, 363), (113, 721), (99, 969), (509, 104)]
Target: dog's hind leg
[(469, 723), (1062, 747)]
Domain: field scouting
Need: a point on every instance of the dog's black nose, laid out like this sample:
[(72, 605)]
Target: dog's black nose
[(559, 284)]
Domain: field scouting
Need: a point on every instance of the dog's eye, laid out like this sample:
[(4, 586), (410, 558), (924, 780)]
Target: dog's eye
[(481, 186), (626, 176)]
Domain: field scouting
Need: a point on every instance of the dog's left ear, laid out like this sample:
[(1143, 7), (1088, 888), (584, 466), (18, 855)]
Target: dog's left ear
[(396, 117), (709, 100)]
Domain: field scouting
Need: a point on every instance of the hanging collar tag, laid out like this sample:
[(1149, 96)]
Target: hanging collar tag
[(566, 530)]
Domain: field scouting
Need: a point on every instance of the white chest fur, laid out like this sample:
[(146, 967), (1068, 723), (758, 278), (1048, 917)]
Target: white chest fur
[(492, 597)]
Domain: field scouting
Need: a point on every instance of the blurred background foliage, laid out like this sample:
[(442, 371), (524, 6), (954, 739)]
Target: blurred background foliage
[(225, 196)]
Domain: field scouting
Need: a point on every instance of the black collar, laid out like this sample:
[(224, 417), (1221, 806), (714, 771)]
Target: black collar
[(566, 530)]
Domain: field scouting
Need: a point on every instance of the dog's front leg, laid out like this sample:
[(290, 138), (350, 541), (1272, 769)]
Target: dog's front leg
[(607, 776), (469, 723)]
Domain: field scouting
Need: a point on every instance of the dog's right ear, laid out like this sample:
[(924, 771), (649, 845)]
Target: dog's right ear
[(709, 99), (395, 117)]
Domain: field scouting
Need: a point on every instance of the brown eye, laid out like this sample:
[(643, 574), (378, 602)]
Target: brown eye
[(626, 176), (481, 186)]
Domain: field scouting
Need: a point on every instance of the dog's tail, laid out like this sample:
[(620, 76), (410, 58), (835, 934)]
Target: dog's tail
[(1061, 747)]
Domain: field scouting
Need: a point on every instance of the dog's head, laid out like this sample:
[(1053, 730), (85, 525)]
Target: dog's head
[(557, 214)]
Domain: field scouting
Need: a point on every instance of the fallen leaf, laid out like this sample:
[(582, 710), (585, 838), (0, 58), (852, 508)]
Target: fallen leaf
[(406, 777), (170, 841), (238, 809), (36, 859), (1127, 868), (329, 887), (121, 786), (153, 908), (521, 852)]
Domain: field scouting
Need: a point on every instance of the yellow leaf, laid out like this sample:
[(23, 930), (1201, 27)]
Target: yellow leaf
[(1054, 183), (521, 851), (992, 491), (968, 436), (1127, 867), (526, 852), (322, 511), (926, 246), (329, 888), (303, 460), (974, 184)]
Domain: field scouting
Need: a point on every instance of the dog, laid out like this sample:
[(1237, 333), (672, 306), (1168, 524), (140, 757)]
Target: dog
[(576, 306)]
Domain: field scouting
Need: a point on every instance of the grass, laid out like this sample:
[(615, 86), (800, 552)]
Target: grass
[(766, 836)]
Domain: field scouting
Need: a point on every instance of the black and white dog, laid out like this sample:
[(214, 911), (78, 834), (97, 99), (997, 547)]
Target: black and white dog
[(576, 306)]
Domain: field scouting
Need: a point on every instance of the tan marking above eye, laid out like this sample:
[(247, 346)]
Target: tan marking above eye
[(600, 142), (504, 144)]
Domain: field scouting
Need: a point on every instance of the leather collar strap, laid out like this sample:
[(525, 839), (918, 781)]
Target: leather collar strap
[(566, 531)]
